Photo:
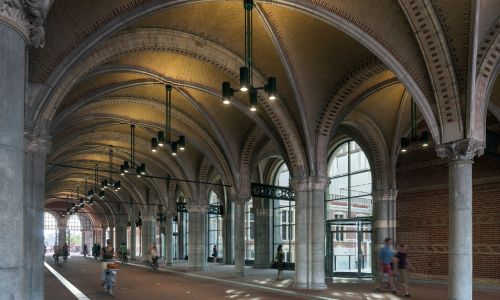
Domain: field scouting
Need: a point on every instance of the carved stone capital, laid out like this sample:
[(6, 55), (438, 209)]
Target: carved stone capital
[(309, 184), (461, 150), (36, 144), (194, 207), (121, 220), (384, 195), (28, 17)]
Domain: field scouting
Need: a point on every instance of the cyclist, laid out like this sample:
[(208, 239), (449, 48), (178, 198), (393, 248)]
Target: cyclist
[(56, 253), (154, 257), (108, 277), (65, 251), (123, 252)]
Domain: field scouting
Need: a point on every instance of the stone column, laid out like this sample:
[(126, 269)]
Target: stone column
[(121, 231), (103, 240), (133, 243), (169, 257), (180, 235), (227, 223), (460, 155), (262, 233), (197, 252), (239, 235), (37, 147), (112, 236), (148, 235), (310, 232), (384, 221)]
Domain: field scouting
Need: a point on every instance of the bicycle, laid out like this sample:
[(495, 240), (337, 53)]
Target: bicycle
[(110, 278), (154, 264)]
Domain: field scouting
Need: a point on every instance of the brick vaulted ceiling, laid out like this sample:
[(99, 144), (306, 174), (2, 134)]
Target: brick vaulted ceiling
[(312, 59)]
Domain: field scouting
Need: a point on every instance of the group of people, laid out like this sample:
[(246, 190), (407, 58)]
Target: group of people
[(395, 265), (60, 251), (96, 250)]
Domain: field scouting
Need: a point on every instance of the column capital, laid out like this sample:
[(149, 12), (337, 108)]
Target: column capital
[(309, 183), (385, 194), (121, 220), (37, 144), (461, 150), (197, 207), (27, 17)]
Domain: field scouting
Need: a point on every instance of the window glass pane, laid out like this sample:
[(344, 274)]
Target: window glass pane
[(339, 188), (361, 184), (351, 183)]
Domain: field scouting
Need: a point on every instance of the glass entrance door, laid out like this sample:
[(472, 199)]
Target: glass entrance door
[(349, 248)]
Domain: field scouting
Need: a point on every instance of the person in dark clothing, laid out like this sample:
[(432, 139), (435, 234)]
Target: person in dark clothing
[(215, 254), (280, 256), (403, 264)]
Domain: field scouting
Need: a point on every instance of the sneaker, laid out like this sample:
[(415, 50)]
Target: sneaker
[(111, 292), (407, 296), (394, 292)]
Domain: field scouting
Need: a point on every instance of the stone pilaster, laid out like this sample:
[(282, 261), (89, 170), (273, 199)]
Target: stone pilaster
[(148, 232), (133, 234), (197, 256), (460, 155), (310, 232), (121, 223), (61, 233), (262, 233), (37, 147), (169, 230), (239, 234), (227, 225)]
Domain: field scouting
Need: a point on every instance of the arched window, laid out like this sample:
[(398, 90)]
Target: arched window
[(49, 230), (215, 227), (49, 221), (351, 183), (284, 217), (74, 223)]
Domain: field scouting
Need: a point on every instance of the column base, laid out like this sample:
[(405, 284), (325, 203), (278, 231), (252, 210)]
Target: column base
[(195, 269), (239, 273), (170, 264), (312, 286)]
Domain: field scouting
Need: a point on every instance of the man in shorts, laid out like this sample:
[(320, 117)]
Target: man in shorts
[(403, 264), (386, 256)]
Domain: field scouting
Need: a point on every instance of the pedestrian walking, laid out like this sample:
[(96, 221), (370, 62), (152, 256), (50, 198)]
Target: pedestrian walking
[(404, 264)]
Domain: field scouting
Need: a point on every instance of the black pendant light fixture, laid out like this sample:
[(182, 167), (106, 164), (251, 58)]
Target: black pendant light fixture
[(246, 72), (125, 167), (165, 138), (423, 139)]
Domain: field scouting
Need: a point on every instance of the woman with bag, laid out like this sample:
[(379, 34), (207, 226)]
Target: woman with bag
[(278, 261)]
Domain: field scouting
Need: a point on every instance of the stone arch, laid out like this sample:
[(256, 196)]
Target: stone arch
[(342, 102), (253, 140), (106, 136), (432, 42), (369, 136), (487, 70), (182, 43)]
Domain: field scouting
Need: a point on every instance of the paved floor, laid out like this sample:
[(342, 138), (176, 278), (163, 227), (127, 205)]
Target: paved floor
[(219, 282)]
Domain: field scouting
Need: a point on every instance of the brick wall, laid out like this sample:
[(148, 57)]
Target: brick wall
[(422, 214)]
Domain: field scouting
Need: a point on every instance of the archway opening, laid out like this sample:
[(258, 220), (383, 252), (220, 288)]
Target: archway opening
[(79, 233), (348, 211), (50, 235)]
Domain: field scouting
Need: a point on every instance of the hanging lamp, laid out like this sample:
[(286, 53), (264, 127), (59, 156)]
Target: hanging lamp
[(246, 72)]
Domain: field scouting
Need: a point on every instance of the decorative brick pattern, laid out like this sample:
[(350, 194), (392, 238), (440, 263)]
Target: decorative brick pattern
[(426, 27), (422, 215)]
